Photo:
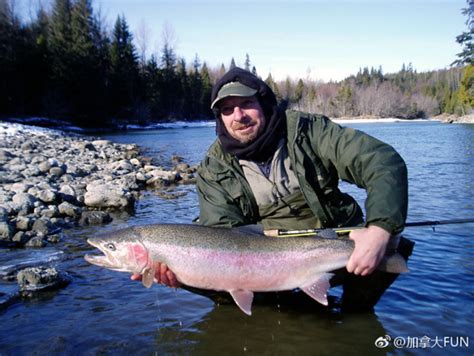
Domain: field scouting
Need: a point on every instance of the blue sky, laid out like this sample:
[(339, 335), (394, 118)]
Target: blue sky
[(322, 39)]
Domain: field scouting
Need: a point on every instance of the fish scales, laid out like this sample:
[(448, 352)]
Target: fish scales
[(227, 259)]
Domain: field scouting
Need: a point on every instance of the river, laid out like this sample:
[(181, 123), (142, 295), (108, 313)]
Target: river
[(429, 309)]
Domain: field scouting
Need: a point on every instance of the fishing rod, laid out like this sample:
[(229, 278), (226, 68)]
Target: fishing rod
[(346, 230)]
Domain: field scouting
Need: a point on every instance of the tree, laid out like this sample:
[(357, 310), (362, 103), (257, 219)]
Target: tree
[(60, 47), (169, 83), (38, 69), (87, 88), (123, 70), (152, 80), (9, 40), (273, 86), (183, 91), (221, 70), (466, 90), (466, 39), (206, 91), (247, 63), (299, 90), (196, 88)]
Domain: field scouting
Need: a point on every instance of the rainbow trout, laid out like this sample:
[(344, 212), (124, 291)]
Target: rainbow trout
[(230, 260)]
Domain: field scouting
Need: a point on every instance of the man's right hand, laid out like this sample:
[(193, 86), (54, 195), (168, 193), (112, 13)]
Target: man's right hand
[(163, 275)]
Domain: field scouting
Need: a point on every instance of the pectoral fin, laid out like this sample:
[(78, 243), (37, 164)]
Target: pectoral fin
[(243, 298), (148, 277), (318, 289)]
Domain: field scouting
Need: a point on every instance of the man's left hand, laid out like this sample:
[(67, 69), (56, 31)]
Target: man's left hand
[(370, 246)]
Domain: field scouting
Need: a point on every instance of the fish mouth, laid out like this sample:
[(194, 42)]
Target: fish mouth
[(106, 260)]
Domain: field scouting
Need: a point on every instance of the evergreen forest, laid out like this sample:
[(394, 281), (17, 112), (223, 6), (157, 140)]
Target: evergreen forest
[(65, 63)]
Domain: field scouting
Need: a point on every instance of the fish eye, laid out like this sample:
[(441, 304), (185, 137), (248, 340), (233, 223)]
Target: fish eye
[(110, 246)]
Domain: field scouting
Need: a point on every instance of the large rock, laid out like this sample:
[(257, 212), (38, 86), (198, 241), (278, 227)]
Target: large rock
[(94, 218), (6, 231), (47, 196), (45, 227), (68, 209), (24, 202), (107, 195), (36, 279), (20, 187)]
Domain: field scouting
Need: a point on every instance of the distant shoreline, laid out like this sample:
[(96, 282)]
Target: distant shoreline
[(444, 118), (368, 120), (70, 127), (453, 119)]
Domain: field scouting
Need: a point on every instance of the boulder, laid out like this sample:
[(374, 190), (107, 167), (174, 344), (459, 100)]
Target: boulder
[(35, 279), (68, 209), (107, 195), (94, 218), (23, 202), (45, 227), (6, 231)]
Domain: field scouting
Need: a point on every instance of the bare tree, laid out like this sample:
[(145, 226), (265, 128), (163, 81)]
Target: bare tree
[(142, 34), (168, 36)]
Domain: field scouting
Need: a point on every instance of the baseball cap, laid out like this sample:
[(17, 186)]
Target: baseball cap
[(233, 89)]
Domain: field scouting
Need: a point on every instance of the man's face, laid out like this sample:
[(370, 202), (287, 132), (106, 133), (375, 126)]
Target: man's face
[(243, 117)]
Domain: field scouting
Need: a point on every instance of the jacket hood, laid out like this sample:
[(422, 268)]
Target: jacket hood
[(264, 94)]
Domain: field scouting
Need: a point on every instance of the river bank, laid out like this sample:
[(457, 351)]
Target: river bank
[(445, 118), (453, 119), (51, 180)]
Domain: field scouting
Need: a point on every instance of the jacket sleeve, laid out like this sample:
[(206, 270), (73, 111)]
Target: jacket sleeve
[(218, 199), (370, 164)]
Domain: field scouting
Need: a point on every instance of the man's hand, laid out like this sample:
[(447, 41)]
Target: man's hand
[(163, 275), (370, 246)]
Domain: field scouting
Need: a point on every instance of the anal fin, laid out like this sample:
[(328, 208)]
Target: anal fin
[(243, 298), (319, 288)]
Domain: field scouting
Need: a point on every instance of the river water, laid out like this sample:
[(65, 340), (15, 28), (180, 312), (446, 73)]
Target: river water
[(429, 309)]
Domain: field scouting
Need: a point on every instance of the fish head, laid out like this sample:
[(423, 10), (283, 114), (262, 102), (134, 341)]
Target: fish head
[(119, 253)]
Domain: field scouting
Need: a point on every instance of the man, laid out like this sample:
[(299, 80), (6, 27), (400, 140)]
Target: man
[(282, 169)]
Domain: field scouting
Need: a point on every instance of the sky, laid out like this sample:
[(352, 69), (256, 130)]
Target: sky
[(320, 39)]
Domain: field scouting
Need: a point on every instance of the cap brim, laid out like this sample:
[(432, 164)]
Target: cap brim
[(233, 89)]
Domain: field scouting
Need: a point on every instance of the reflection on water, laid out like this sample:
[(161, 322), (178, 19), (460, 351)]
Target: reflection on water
[(103, 311)]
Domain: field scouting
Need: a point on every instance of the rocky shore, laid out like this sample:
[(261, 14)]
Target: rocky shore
[(51, 180), (453, 119)]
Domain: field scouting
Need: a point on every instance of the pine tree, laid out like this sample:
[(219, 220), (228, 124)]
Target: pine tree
[(38, 68), (87, 90), (466, 39), (196, 88), (169, 84), (183, 92), (299, 90), (206, 92), (152, 79), (123, 70), (59, 96), (221, 71), (60, 41), (273, 86), (247, 63), (9, 37), (232, 63)]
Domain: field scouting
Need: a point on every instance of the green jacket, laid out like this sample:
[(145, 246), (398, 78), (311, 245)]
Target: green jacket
[(321, 153)]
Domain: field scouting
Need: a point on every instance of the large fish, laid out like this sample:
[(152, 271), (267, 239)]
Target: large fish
[(230, 260)]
